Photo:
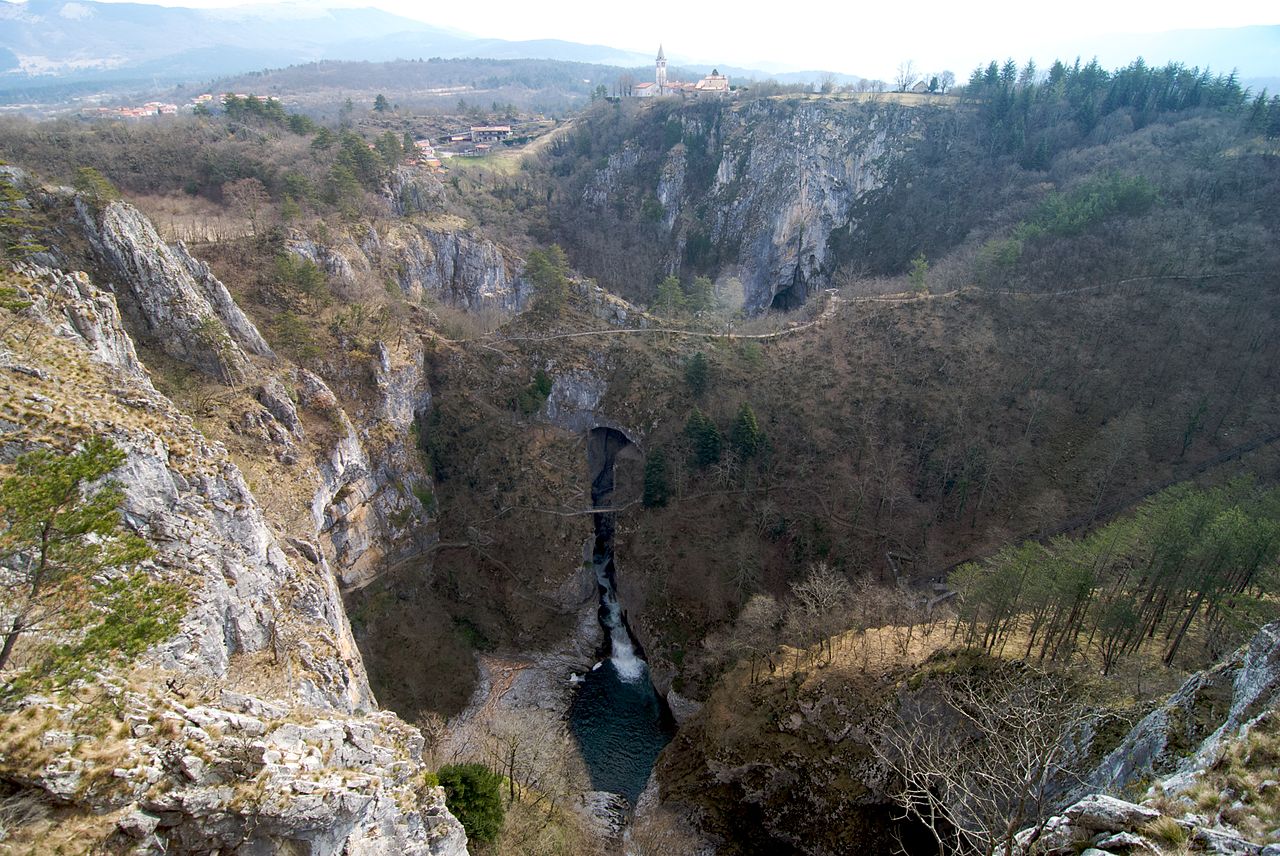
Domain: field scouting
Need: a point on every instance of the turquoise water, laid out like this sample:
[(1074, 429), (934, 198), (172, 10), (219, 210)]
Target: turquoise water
[(620, 728)]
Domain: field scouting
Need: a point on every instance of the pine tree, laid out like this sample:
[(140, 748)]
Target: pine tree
[(548, 273), (746, 437), (919, 270), (656, 491), (670, 298), (58, 537), (697, 373), (704, 437), (473, 794), (15, 221), (701, 296)]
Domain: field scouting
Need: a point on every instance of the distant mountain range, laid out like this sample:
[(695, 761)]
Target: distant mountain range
[(79, 39), (47, 43)]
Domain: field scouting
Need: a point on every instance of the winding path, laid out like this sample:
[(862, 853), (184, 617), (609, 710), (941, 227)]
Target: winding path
[(834, 301)]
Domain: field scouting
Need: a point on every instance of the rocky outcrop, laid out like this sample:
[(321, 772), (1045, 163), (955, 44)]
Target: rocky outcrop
[(371, 503), (252, 729), (441, 260), (453, 266), (414, 190), (169, 299), (1185, 733), (1101, 825)]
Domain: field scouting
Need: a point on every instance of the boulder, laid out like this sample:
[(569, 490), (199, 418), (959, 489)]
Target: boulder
[(1102, 813)]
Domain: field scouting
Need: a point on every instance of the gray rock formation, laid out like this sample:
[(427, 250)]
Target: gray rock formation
[(1186, 732), (787, 176), (414, 190), (168, 298), (252, 729), (453, 266), (441, 260)]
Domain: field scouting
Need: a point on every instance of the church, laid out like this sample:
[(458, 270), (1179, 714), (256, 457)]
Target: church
[(714, 83)]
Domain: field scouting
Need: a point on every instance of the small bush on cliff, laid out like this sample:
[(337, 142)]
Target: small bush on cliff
[(95, 187), (473, 794)]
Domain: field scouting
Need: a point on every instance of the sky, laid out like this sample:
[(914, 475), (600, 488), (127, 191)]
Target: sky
[(869, 39)]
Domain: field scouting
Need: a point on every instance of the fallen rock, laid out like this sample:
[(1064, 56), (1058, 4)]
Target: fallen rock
[(1129, 842), (138, 824), (1224, 843), (1101, 813)]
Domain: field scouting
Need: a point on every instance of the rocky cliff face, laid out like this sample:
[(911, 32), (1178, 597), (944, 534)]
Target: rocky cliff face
[(252, 729), (759, 189), (169, 298), (1209, 737), (429, 258), (1183, 736)]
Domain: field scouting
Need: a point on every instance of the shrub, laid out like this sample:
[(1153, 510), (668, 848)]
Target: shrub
[(473, 794), (1166, 829)]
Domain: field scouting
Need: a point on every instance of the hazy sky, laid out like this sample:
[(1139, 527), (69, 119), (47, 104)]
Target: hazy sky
[(869, 39)]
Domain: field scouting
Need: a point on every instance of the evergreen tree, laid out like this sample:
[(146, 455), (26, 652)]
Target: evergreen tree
[(391, 148), (548, 273), (58, 537), (697, 373), (701, 296), (919, 270), (670, 297), (704, 438), (15, 221), (473, 793), (656, 491), (95, 187), (746, 437), (381, 104)]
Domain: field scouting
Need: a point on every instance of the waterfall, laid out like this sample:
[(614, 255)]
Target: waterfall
[(618, 719), (622, 651)]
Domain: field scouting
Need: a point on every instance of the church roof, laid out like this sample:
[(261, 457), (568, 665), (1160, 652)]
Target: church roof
[(660, 54)]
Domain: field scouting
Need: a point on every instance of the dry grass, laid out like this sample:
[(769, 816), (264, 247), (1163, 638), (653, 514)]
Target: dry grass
[(30, 826), (194, 219), (1166, 830)]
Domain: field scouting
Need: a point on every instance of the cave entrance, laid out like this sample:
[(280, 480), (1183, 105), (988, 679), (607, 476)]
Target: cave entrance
[(615, 466), (792, 297)]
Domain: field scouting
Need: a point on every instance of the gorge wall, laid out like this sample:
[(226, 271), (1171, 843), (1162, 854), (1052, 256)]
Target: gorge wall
[(756, 190), (253, 727)]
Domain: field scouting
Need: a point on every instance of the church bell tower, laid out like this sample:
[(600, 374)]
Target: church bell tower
[(661, 72)]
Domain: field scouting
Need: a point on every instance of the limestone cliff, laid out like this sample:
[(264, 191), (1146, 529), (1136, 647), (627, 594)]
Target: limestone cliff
[(759, 189), (424, 257), (170, 299), (252, 728)]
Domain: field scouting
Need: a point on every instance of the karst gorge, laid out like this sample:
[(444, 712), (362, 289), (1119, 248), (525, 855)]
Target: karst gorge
[(754, 472)]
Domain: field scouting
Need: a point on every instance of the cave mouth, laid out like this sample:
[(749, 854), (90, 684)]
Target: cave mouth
[(789, 298), (617, 717)]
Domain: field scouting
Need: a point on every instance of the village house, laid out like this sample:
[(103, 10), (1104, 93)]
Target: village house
[(489, 133)]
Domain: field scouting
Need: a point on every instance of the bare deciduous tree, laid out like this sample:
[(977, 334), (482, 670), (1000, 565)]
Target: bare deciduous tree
[(247, 197), (906, 75), (979, 760)]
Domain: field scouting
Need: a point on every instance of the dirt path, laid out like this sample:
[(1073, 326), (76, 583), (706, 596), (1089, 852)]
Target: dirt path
[(834, 302)]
